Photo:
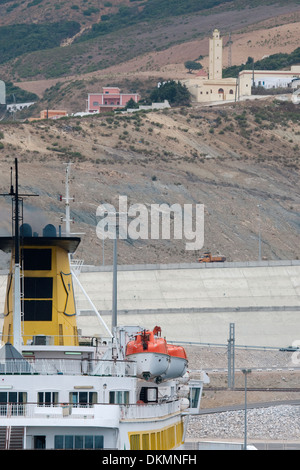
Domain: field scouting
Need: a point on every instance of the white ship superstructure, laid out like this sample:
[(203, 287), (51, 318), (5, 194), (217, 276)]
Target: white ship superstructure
[(59, 391)]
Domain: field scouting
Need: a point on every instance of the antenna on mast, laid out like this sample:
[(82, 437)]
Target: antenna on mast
[(67, 200), (77, 264)]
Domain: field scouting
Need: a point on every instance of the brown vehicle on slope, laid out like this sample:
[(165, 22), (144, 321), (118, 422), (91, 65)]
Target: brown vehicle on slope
[(209, 258)]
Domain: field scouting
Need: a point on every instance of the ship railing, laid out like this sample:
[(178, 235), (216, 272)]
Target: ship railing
[(68, 367), (81, 411), (76, 265), (33, 410), (149, 410), (114, 368), (96, 341), (8, 410)]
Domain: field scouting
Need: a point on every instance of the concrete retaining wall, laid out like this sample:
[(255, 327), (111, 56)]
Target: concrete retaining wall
[(197, 302)]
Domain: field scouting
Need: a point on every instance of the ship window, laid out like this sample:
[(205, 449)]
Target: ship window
[(98, 442), (36, 260), (59, 442), (38, 287), (149, 394), (13, 397), (78, 442), (16, 401), (83, 398), (35, 289), (40, 442), (119, 397), (89, 442), (194, 397), (69, 442), (47, 398), (37, 310)]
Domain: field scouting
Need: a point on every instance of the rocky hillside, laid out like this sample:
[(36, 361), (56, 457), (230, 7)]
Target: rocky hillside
[(106, 33), (231, 158), (240, 160)]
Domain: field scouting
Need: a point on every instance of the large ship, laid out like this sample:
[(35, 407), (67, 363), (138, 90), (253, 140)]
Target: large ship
[(129, 390)]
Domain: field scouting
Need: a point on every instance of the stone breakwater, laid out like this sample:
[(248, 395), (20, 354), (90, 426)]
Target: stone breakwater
[(275, 423)]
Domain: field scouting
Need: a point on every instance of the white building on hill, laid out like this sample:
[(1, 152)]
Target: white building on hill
[(270, 78), (215, 88)]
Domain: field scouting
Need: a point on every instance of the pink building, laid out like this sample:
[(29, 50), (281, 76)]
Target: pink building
[(109, 100)]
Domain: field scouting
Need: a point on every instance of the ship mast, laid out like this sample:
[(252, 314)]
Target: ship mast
[(17, 315), (17, 292), (67, 200), (76, 265)]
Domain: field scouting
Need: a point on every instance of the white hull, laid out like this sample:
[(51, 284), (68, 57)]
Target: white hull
[(150, 365), (153, 365), (177, 368)]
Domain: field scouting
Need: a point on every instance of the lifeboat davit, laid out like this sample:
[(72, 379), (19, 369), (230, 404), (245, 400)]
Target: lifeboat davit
[(155, 358)]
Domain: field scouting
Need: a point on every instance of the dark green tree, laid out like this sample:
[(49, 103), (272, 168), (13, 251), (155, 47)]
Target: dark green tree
[(176, 93), (131, 104), (192, 65)]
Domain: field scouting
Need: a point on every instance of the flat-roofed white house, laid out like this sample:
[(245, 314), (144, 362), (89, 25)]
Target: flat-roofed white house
[(269, 78)]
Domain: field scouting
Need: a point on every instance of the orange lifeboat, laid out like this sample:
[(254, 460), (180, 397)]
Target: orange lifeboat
[(176, 351), (155, 358), (146, 341), (150, 353), (178, 362)]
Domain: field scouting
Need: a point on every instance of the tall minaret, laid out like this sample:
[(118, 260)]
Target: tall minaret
[(215, 56)]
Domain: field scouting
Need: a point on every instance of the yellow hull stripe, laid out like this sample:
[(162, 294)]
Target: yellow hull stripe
[(166, 438)]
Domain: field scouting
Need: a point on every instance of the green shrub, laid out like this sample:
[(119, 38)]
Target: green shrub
[(18, 39)]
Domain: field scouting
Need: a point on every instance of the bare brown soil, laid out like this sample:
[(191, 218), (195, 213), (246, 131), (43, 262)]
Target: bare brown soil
[(179, 155), (257, 33)]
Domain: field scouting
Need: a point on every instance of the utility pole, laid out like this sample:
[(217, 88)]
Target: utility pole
[(245, 372), (115, 279), (259, 233), (230, 350), (229, 51)]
